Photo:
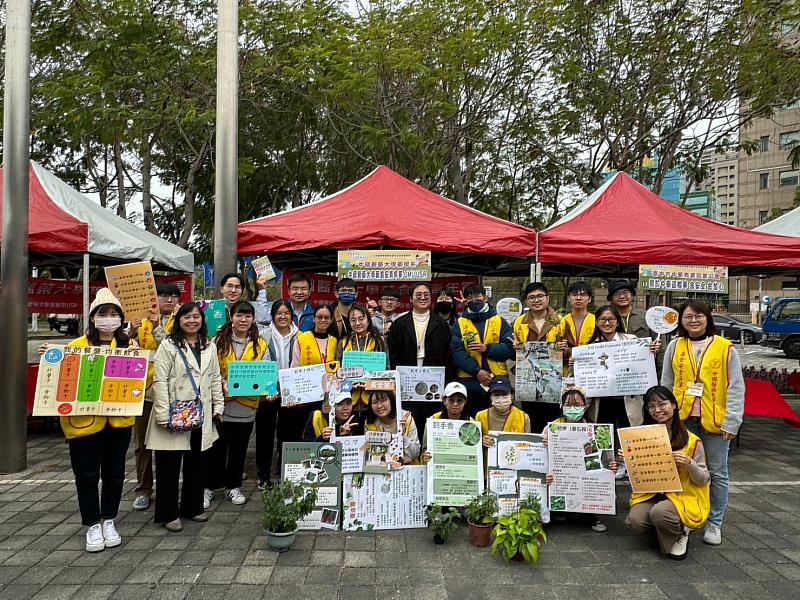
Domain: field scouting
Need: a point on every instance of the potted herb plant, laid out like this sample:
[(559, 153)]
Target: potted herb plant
[(442, 522), (480, 516), (520, 534), (284, 505)]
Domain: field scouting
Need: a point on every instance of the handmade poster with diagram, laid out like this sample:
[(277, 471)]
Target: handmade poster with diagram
[(301, 385), (134, 285), (518, 466), (216, 314), (626, 367), (455, 473), (393, 500), (91, 380), (252, 378), (649, 460), (421, 384), (316, 465), (580, 457), (539, 372)]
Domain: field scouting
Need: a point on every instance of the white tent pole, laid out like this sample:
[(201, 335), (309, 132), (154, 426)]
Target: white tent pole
[(85, 291)]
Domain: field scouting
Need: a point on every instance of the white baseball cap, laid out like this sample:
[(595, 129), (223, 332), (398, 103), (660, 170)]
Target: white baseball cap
[(341, 396), (455, 388)]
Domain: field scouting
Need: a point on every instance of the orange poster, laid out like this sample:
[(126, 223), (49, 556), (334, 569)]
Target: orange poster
[(648, 456), (135, 287)]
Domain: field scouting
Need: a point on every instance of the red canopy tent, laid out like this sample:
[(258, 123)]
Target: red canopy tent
[(624, 224), (386, 210)]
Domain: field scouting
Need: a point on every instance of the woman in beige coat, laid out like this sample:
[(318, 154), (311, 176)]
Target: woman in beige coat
[(171, 381)]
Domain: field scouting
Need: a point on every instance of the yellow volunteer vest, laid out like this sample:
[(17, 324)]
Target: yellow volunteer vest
[(249, 354), (694, 502), (439, 414), (713, 376), (148, 342), (75, 427), (515, 423), (309, 350), (491, 336), (346, 345), (568, 323), (320, 422)]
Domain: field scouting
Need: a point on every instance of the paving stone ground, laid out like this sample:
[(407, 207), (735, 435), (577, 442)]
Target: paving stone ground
[(42, 556)]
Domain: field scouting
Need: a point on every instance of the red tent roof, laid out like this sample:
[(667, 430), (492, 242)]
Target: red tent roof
[(625, 223), (385, 209)]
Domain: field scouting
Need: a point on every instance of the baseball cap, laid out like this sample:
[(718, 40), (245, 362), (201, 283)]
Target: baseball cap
[(455, 388), (341, 396), (500, 383)]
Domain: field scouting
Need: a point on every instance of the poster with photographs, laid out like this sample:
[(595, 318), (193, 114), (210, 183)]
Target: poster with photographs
[(538, 374), (421, 384), (580, 456), (316, 465), (301, 385), (455, 471), (518, 466), (390, 501)]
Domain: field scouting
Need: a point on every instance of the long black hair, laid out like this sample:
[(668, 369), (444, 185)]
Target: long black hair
[(598, 336), (93, 334), (224, 339), (678, 434), (371, 417), (177, 335)]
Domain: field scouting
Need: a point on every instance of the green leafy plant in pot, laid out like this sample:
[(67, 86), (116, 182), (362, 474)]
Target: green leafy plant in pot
[(480, 516), (284, 505), (442, 522), (520, 534)]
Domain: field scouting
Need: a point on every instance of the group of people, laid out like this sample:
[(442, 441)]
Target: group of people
[(700, 400)]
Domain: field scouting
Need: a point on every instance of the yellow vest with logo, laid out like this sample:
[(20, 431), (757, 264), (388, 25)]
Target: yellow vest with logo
[(713, 376), (309, 350), (491, 335), (346, 345), (515, 423), (75, 427), (439, 414), (522, 330), (320, 422), (568, 323), (148, 342), (694, 502), (250, 354)]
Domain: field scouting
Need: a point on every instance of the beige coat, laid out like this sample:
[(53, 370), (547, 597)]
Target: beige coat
[(170, 381)]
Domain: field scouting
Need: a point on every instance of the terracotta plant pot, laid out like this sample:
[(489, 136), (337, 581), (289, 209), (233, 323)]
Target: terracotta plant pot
[(518, 557), (480, 534)]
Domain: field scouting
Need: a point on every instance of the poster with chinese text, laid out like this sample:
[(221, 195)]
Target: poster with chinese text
[(455, 471), (622, 368), (518, 466), (316, 465), (648, 458), (395, 500), (134, 285), (385, 265)]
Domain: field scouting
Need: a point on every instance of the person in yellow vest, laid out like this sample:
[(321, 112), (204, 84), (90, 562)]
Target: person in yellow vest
[(502, 416), (673, 515), (98, 445), (363, 337), (318, 428), (454, 401), (481, 344), (704, 372), (150, 333), (578, 327), (382, 416), (238, 340)]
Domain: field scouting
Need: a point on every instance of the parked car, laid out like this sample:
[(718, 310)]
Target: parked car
[(64, 324), (734, 329), (781, 326)]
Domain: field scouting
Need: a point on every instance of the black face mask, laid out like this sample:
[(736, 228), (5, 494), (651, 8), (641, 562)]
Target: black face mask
[(444, 307)]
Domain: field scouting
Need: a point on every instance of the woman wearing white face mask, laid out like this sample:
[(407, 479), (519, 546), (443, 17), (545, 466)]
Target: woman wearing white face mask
[(502, 416), (98, 445)]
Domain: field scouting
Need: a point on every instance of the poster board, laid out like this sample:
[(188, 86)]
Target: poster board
[(539, 373), (421, 384), (580, 455), (455, 473), (384, 265), (91, 380), (134, 285), (509, 309), (394, 500), (216, 313), (369, 361), (316, 465), (621, 368), (301, 385), (252, 378), (648, 458), (684, 278), (263, 268), (517, 468)]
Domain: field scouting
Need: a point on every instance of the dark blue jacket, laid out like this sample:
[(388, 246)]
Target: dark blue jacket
[(503, 350)]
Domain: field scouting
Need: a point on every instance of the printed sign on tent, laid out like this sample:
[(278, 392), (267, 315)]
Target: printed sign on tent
[(684, 278), (385, 265), (134, 285)]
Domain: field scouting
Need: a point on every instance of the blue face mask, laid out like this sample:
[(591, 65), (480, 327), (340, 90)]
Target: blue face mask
[(476, 306), (347, 297)]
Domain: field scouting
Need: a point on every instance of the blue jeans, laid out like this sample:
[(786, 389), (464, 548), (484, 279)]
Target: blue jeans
[(717, 459)]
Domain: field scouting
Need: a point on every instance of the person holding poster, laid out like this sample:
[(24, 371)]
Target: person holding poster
[(534, 325), (482, 342), (237, 340), (97, 444), (382, 416), (502, 416), (281, 334), (185, 361), (578, 327), (150, 333), (318, 428), (704, 372), (454, 401), (673, 514), (363, 337)]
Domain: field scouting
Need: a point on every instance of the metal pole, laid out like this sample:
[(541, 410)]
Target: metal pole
[(85, 293), (226, 202), (14, 249)]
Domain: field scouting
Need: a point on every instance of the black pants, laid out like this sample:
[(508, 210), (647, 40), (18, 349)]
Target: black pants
[(292, 421), (96, 457), (422, 410), (612, 410), (226, 457), (541, 413), (168, 470), (266, 426)]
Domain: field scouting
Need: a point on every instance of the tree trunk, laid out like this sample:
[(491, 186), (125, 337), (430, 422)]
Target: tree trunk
[(191, 191), (120, 177), (147, 203)]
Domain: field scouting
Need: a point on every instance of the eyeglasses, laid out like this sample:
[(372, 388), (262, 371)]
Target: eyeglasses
[(579, 294), (169, 296), (693, 318), (389, 299), (607, 320), (228, 286), (298, 289), (536, 297), (421, 296), (357, 319), (660, 405), (321, 318)]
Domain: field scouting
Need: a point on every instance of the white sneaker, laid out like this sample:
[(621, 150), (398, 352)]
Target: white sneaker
[(110, 534), (94, 538), (236, 496), (141, 503), (208, 496), (712, 535), (680, 548)]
